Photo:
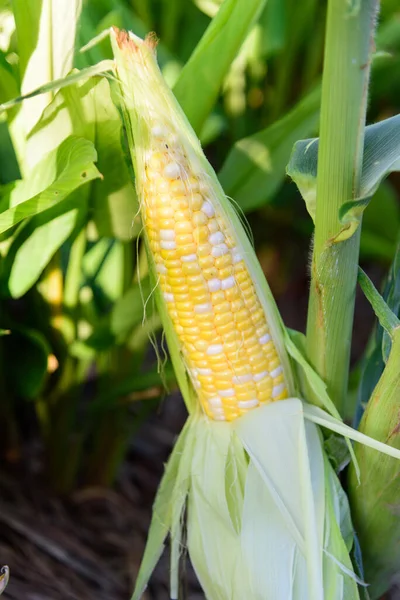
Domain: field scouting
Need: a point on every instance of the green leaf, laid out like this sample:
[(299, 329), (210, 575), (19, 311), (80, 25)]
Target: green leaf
[(125, 315), (25, 354), (312, 388), (75, 77), (114, 202), (380, 345), (86, 109), (381, 224), (375, 501), (387, 319), (68, 168), (200, 80), (46, 39), (381, 157), (273, 23), (37, 240), (255, 167)]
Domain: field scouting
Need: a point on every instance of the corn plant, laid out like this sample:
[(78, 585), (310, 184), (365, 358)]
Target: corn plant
[(250, 487)]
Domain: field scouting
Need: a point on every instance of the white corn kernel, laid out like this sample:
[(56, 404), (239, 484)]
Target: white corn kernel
[(214, 349), (208, 209), (226, 393), (228, 283), (189, 258), (259, 376), (219, 250), (215, 402), (276, 372), (200, 309), (172, 170), (242, 378), (167, 235), (214, 285), (278, 389), (216, 238), (168, 245), (248, 403)]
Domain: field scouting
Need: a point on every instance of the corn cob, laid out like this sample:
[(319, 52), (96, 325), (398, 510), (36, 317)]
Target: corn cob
[(222, 328)]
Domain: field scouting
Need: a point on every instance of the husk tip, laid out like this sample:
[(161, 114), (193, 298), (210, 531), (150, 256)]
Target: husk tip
[(127, 39)]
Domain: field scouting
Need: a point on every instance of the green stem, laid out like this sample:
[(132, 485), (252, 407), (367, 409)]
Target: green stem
[(348, 46)]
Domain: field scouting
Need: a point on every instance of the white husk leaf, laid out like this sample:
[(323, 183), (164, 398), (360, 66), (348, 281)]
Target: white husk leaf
[(262, 527)]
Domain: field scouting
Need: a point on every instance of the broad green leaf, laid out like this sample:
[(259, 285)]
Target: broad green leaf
[(25, 354), (46, 39), (9, 170), (255, 167), (200, 80), (381, 157), (68, 168), (86, 109), (37, 240), (381, 224), (273, 24), (8, 82)]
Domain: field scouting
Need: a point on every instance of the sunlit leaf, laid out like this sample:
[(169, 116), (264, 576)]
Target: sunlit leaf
[(255, 167), (381, 157), (69, 167), (200, 81)]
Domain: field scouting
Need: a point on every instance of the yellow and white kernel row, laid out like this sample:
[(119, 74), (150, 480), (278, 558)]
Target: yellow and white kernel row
[(209, 293)]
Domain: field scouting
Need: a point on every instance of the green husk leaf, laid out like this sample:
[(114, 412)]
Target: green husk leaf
[(381, 157), (285, 497), (172, 483), (312, 386), (201, 78), (322, 418)]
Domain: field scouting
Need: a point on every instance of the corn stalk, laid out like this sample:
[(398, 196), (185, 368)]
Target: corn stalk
[(349, 40)]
